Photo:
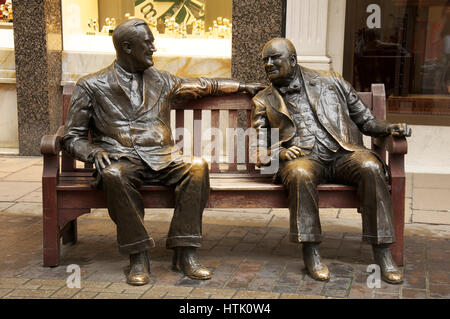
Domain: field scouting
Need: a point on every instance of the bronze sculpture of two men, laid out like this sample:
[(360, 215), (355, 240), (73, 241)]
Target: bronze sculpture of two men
[(125, 109)]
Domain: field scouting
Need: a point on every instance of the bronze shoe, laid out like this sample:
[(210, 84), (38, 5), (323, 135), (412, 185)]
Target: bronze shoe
[(389, 270), (185, 259), (139, 274), (315, 267)]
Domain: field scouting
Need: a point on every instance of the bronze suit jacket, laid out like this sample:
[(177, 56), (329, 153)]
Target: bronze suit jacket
[(335, 104), (100, 106)]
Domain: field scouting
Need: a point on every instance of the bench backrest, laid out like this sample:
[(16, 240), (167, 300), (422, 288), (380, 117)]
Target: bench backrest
[(224, 148)]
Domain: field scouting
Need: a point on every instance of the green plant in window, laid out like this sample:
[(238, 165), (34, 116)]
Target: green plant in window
[(184, 11)]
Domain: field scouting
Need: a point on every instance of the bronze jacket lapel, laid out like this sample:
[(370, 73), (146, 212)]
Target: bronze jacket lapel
[(278, 114), (114, 93), (152, 89), (313, 86)]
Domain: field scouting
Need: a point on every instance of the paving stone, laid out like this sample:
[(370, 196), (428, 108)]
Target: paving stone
[(4, 291), (341, 270), (439, 291), (262, 284), (439, 277), (186, 281), (29, 174), (298, 296), (271, 271), (218, 280), (5, 205), (11, 191), (290, 279), (95, 284), (415, 282), (409, 293), (437, 216), (284, 289), (12, 282), (31, 293), (65, 293), (246, 294), (310, 287), (336, 283), (47, 283), (436, 199), (237, 233), (106, 295), (337, 293), (14, 164), (85, 295), (211, 292), (179, 291), (381, 295), (359, 291), (35, 196), (241, 279)]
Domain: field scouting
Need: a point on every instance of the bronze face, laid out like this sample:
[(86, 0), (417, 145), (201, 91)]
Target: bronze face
[(142, 48), (279, 61)]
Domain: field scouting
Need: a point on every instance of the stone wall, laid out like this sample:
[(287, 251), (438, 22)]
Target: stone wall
[(38, 47)]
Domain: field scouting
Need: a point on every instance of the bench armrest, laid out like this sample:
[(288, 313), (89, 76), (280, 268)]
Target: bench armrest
[(393, 144), (51, 144)]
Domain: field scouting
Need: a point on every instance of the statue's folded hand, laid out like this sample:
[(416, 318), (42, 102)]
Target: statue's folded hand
[(101, 160), (399, 129), (291, 153)]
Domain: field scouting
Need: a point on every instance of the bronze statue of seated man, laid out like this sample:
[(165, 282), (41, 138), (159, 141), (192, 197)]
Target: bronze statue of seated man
[(125, 108), (320, 119)]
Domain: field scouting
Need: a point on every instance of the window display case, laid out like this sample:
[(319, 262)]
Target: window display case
[(406, 45), (7, 66), (192, 37), (9, 136)]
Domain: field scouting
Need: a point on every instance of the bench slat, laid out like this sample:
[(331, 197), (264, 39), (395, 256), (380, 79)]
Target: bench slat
[(197, 133), (232, 140), (179, 124), (215, 143)]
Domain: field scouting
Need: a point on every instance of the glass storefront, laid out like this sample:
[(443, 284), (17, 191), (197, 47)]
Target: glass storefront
[(6, 13), (196, 27), (6, 24), (406, 45)]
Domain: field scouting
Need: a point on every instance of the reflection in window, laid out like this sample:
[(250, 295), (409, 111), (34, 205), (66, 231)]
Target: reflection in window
[(87, 24), (404, 44), (186, 18), (6, 13)]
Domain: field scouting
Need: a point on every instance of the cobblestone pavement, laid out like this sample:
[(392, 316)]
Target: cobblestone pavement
[(247, 262), (248, 250)]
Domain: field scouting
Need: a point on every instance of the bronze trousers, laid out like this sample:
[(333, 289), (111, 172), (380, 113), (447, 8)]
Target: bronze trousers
[(364, 170), (121, 181)]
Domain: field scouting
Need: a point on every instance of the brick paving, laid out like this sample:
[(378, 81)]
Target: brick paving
[(247, 262), (247, 250)]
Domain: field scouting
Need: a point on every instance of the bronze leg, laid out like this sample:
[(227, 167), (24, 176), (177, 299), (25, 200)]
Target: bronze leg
[(364, 170), (191, 196), (300, 178), (185, 232), (125, 205)]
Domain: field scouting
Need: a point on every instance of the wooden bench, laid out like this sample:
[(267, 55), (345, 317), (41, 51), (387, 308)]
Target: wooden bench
[(67, 193)]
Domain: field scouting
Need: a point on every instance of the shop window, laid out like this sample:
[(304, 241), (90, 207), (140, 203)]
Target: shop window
[(196, 27), (6, 24), (404, 44)]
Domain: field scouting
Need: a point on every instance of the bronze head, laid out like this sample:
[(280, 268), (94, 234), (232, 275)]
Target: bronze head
[(134, 44), (280, 59)]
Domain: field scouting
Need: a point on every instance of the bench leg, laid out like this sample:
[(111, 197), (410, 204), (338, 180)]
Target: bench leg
[(50, 221), (51, 238), (70, 233), (398, 204)]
